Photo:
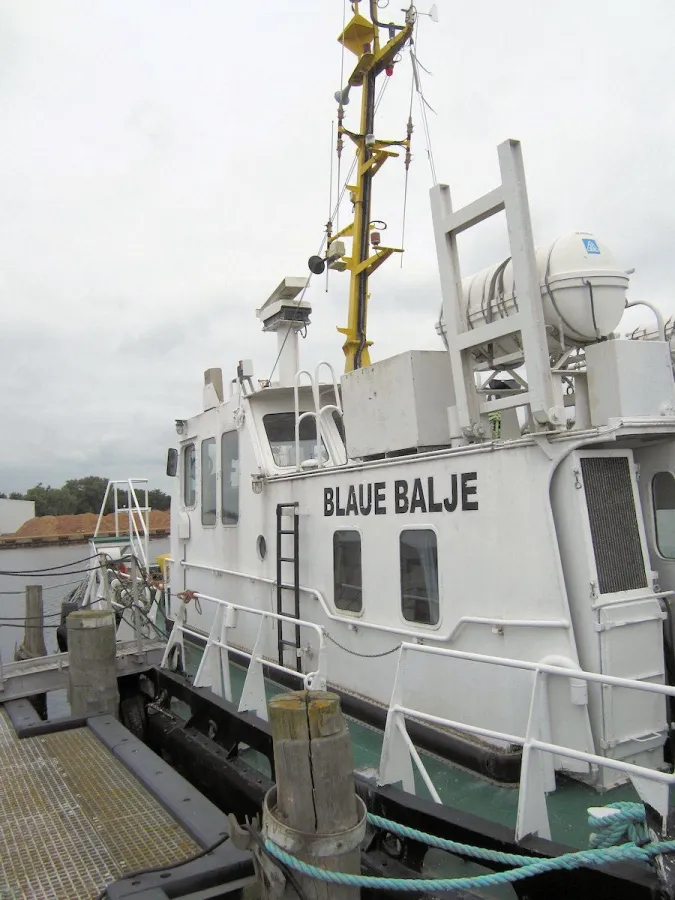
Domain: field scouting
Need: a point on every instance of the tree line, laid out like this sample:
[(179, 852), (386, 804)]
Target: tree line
[(82, 495)]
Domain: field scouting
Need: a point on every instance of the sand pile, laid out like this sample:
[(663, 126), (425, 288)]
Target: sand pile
[(85, 524)]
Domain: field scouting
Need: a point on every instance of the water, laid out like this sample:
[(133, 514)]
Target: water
[(55, 587)]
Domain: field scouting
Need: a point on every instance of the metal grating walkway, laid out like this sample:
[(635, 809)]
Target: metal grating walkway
[(72, 818)]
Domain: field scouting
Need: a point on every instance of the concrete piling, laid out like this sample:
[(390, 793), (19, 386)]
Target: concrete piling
[(92, 649)]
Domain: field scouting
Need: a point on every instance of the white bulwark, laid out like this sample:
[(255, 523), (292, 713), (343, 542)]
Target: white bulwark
[(13, 513)]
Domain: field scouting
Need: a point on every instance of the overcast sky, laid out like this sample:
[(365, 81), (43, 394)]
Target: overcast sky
[(164, 163)]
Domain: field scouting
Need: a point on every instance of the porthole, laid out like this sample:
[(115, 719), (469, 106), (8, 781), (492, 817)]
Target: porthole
[(261, 544)]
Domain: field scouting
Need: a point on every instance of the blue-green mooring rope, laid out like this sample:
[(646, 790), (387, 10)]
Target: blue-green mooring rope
[(526, 866), (628, 824)]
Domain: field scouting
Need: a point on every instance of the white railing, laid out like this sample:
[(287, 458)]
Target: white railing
[(214, 668), (537, 776), (335, 455), (356, 624)]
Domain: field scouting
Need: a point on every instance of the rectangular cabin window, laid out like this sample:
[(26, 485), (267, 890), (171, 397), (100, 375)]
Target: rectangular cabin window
[(419, 576), (347, 585), (280, 430), (229, 454), (663, 494), (209, 483), (189, 475)]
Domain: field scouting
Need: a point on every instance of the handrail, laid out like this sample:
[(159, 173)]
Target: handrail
[(338, 456), (494, 622), (298, 417), (218, 677), (145, 519), (537, 773), (658, 315), (336, 392), (546, 668), (317, 413), (320, 443)]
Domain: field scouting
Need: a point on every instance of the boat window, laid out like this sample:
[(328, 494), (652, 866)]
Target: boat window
[(347, 570), (189, 475), (663, 493), (209, 485), (419, 576), (280, 430), (229, 453)]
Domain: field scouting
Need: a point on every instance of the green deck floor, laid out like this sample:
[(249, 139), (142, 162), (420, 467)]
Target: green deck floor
[(567, 805)]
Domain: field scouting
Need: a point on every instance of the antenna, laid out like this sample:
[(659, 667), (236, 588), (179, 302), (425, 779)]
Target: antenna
[(433, 13)]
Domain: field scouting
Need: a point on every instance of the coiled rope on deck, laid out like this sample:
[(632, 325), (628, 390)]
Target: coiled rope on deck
[(628, 823)]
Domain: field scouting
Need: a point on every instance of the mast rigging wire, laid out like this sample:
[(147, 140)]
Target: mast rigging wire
[(407, 171), (329, 222), (342, 75), (423, 102)]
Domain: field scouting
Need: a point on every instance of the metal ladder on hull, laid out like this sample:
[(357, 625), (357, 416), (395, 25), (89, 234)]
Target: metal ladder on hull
[(283, 586)]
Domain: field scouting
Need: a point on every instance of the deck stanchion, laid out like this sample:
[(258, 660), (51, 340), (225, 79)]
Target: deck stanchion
[(313, 812)]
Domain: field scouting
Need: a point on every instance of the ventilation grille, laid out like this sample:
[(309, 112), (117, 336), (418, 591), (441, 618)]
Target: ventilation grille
[(614, 524)]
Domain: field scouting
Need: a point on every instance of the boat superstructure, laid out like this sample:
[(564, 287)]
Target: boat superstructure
[(469, 526)]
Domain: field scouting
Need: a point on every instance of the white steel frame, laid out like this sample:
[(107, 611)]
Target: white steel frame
[(537, 777), (511, 198), (139, 538), (97, 593)]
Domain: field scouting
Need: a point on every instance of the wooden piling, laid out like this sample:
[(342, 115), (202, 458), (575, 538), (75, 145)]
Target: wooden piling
[(314, 812), (92, 667), (33, 643)]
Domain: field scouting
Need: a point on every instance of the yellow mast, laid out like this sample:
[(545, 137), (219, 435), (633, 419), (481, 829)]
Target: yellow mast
[(361, 37)]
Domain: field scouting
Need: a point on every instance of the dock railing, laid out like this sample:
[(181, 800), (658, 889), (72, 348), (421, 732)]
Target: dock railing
[(537, 778), (214, 668)]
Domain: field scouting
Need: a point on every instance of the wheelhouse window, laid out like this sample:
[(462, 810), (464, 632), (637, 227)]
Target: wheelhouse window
[(419, 576), (280, 430), (189, 475), (209, 483), (663, 494), (347, 584), (229, 455)]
